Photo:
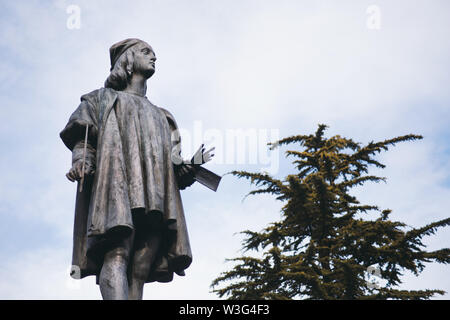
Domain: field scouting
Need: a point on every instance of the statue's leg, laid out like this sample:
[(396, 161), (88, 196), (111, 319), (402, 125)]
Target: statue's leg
[(113, 276), (145, 249)]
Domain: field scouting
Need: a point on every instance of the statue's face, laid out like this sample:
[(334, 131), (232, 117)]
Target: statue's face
[(144, 59)]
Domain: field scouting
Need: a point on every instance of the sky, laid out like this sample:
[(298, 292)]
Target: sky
[(235, 74)]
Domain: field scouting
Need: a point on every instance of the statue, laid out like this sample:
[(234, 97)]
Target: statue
[(129, 226)]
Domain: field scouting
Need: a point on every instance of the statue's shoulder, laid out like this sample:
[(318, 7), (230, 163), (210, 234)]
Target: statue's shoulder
[(169, 117), (99, 95)]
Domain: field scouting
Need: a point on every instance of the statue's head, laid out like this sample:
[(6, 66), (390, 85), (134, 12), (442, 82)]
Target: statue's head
[(128, 57)]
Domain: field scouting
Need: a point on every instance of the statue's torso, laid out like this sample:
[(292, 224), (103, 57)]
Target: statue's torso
[(145, 135)]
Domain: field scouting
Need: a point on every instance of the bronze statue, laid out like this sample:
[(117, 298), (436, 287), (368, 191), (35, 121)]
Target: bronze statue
[(130, 226)]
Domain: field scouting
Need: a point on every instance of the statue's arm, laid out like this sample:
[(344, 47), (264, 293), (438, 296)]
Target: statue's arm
[(185, 170), (74, 135), (75, 172)]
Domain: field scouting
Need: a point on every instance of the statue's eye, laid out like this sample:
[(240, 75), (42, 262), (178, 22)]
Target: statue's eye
[(146, 51)]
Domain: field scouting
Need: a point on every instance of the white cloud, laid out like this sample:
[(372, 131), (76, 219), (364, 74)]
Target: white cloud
[(249, 64), (43, 274)]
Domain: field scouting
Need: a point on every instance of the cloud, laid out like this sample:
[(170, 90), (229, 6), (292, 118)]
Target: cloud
[(43, 274), (287, 65)]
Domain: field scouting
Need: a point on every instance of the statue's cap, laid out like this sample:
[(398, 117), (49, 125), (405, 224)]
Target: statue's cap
[(119, 48)]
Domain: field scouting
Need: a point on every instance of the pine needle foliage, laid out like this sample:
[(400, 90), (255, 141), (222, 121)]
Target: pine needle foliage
[(323, 248)]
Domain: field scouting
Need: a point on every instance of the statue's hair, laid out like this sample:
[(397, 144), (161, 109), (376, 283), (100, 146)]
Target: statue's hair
[(121, 72)]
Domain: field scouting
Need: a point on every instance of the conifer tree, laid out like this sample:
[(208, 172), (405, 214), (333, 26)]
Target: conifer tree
[(323, 246)]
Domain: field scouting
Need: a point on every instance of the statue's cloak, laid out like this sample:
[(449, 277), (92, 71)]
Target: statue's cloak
[(102, 209)]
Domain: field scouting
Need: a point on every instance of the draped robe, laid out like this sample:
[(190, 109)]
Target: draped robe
[(132, 144)]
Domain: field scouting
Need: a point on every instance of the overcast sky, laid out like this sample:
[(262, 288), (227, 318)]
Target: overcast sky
[(269, 69)]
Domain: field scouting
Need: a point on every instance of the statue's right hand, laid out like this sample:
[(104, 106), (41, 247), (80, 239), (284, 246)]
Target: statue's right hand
[(75, 173)]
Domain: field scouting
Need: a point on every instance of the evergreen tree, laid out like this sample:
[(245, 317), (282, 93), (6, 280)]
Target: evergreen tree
[(322, 248)]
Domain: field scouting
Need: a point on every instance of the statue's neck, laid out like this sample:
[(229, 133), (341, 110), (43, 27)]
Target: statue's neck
[(137, 85)]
